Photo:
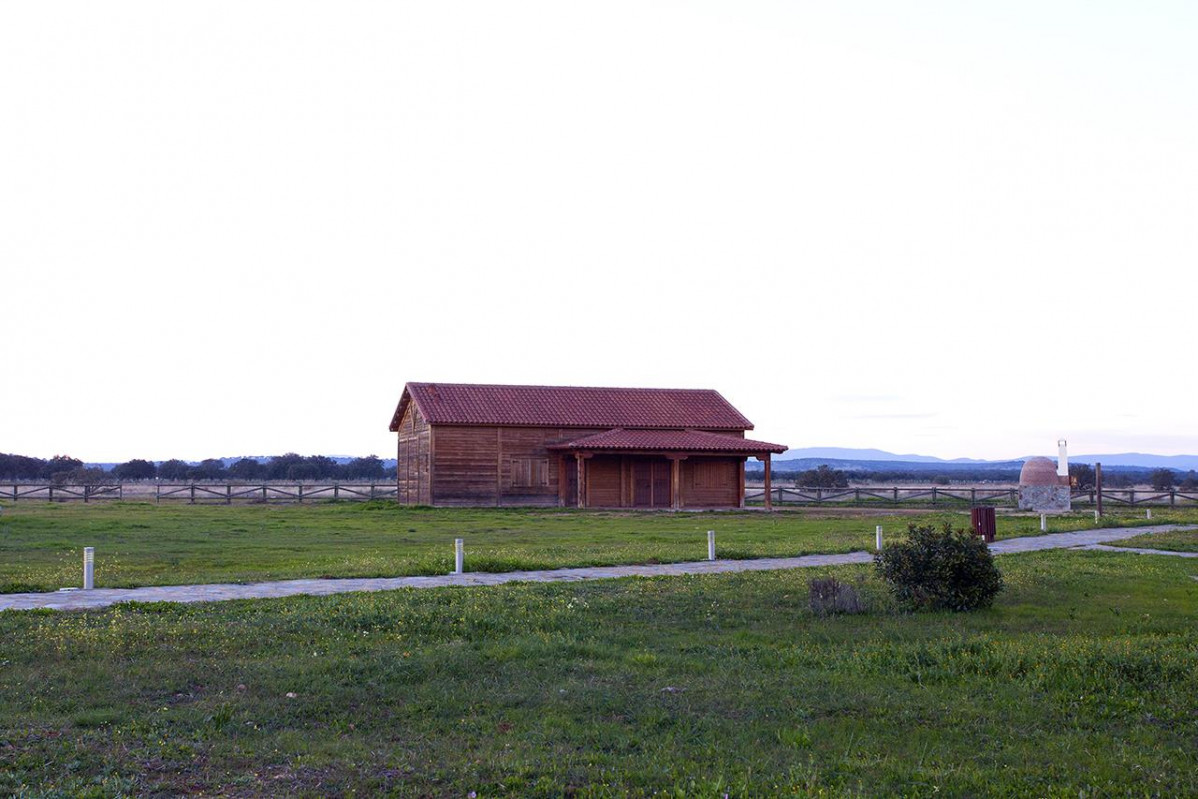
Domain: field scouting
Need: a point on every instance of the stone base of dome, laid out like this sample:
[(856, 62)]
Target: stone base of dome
[(1045, 499)]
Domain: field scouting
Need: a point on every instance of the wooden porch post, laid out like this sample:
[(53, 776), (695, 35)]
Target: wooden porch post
[(676, 481), (581, 484), (769, 502)]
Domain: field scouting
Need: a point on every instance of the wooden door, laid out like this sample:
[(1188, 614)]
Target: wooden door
[(569, 467), (642, 483), (650, 483), (661, 484)]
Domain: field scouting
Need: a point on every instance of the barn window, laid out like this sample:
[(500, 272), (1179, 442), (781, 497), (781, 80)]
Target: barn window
[(530, 472)]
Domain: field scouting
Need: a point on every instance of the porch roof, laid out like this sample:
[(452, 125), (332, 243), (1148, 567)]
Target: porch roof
[(621, 440)]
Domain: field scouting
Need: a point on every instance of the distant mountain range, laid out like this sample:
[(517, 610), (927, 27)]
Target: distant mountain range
[(870, 460)]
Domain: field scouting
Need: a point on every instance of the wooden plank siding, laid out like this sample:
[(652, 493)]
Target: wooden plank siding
[(414, 462), (500, 466), (712, 482)]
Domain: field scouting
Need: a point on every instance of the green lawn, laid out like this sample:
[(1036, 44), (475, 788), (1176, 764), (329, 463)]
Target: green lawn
[(1079, 682), (1179, 541), (144, 544)]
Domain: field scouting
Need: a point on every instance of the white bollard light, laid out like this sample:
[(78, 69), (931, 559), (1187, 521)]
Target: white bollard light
[(89, 568), (878, 538), (459, 555), (1149, 513), (1043, 523), (711, 544)]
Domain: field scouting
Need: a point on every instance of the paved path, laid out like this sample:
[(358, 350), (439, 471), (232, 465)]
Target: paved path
[(102, 597), (1138, 551)]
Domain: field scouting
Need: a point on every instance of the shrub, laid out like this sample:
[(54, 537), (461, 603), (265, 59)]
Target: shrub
[(828, 595), (942, 569)]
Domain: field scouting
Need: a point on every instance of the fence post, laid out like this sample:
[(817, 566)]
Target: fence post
[(973, 496), (193, 494), (933, 495), (229, 494), (335, 493), (372, 490), (157, 492), (86, 493), (896, 495), (51, 488), (1172, 497), (301, 493)]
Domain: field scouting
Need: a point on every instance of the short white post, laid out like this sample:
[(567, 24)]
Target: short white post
[(1149, 513), (878, 538), (459, 555), (711, 544), (1043, 523), (89, 568)]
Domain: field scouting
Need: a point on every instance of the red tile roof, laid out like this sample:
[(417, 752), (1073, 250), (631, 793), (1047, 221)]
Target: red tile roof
[(669, 440), (567, 406)]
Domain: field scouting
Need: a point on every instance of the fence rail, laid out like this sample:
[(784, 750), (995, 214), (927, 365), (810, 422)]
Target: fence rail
[(197, 493), (937, 495), (267, 492)]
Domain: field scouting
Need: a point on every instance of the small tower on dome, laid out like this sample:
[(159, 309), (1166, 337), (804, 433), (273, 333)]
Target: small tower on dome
[(1044, 486)]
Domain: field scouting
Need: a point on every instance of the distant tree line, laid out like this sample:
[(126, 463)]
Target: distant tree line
[(65, 469), (825, 476)]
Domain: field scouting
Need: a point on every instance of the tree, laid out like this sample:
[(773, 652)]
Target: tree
[(320, 467), (1161, 479), (281, 466), (822, 477), (60, 467), (21, 467), (1191, 481), (209, 469), (247, 469), (136, 469), (368, 468), (174, 469), (1082, 475)]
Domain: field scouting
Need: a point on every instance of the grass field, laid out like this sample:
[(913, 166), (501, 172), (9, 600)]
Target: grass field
[(1178, 541), (144, 544), (1079, 682)]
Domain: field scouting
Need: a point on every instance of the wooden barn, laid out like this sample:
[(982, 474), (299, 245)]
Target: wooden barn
[(572, 447)]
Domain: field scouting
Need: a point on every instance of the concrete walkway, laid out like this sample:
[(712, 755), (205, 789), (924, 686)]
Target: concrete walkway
[(102, 597)]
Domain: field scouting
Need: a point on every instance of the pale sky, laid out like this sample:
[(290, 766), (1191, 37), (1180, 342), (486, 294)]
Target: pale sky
[(961, 229)]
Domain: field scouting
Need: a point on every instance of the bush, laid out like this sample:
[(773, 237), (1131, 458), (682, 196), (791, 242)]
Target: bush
[(828, 595), (942, 569)]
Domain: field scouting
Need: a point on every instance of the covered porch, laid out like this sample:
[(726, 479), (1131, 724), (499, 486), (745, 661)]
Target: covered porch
[(658, 469)]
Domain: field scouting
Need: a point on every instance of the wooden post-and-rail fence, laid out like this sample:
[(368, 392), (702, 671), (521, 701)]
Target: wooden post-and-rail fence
[(964, 497), (197, 493), (267, 492)]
